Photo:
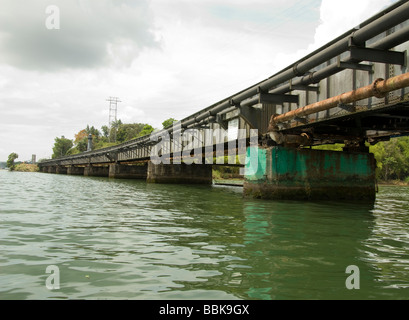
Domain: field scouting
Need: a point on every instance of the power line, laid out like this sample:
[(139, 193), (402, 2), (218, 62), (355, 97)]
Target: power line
[(113, 109)]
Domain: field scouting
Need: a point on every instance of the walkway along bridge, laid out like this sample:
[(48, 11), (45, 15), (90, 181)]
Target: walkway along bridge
[(353, 91)]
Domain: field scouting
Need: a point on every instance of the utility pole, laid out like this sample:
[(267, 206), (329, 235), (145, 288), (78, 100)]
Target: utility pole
[(113, 107)]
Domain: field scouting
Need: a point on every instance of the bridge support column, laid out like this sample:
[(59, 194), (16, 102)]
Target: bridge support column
[(121, 171), (52, 169), (305, 174), (61, 170), (179, 173), (96, 171), (75, 171)]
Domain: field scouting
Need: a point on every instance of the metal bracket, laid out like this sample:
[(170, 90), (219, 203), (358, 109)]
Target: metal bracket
[(354, 66), (303, 87), (222, 123), (266, 98), (251, 116), (277, 98), (374, 55)]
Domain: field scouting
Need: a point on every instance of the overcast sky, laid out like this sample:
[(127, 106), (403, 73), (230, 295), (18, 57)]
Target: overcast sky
[(162, 58)]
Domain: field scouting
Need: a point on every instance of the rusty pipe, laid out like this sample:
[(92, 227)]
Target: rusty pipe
[(378, 89)]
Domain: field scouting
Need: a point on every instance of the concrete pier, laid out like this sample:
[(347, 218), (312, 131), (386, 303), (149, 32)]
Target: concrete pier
[(179, 173), (52, 169), (61, 170), (96, 171), (121, 171), (75, 171), (305, 174)]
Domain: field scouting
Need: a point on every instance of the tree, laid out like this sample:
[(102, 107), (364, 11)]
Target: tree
[(93, 131), (80, 135), (147, 130), (10, 162), (129, 131), (114, 129), (80, 141), (61, 147), (105, 131), (167, 123), (392, 158)]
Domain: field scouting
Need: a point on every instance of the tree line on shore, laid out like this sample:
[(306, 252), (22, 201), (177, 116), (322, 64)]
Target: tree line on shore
[(18, 166), (392, 159), (107, 137)]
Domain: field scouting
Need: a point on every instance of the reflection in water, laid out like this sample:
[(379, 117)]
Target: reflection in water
[(387, 247), (131, 240), (302, 249)]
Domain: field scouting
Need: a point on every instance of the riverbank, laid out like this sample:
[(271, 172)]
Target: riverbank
[(229, 182), (26, 167), (392, 183)]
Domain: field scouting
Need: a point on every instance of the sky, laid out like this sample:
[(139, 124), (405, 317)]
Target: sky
[(61, 60)]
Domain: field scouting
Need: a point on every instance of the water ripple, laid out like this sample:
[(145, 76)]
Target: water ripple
[(116, 239)]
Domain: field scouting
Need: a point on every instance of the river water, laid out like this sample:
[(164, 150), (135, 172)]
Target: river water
[(126, 239)]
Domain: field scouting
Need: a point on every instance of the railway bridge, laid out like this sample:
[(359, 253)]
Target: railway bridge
[(354, 91)]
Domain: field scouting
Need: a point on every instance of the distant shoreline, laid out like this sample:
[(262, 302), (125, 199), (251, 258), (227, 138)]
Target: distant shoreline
[(26, 167)]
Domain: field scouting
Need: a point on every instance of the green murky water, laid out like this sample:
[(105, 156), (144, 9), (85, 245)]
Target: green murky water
[(123, 239)]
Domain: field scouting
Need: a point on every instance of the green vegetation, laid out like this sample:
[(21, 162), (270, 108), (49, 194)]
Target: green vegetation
[(392, 159), (10, 161), (119, 133), (169, 122), (221, 173), (331, 147), (26, 167), (21, 166), (62, 147), (146, 130)]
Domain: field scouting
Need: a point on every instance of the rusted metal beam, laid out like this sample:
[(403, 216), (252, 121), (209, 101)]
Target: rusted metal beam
[(378, 89)]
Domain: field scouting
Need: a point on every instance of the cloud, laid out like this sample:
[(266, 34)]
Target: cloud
[(336, 17), (217, 48), (92, 33)]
